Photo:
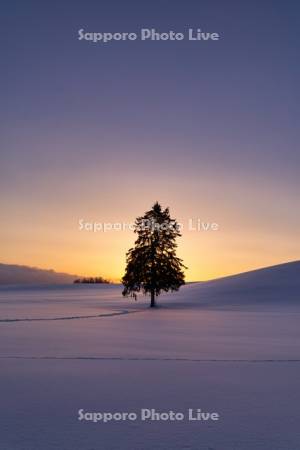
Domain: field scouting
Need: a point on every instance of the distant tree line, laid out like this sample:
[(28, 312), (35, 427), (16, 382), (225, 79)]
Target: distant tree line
[(92, 280)]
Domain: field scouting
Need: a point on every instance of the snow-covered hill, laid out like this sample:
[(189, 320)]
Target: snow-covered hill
[(230, 345), (17, 274), (280, 283)]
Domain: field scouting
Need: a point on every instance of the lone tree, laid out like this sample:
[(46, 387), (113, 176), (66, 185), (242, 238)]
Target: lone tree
[(152, 265)]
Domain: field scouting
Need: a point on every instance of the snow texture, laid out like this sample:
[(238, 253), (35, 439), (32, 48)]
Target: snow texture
[(231, 346)]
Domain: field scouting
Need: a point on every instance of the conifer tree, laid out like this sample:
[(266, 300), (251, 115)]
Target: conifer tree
[(152, 265)]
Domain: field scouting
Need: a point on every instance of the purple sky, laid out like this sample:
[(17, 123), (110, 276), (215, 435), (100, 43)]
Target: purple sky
[(104, 130)]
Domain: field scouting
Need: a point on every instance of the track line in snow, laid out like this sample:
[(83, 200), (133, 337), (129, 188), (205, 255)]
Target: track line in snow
[(119, 358), (37, 319)]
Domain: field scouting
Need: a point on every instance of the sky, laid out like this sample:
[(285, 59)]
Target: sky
[(100, 131)]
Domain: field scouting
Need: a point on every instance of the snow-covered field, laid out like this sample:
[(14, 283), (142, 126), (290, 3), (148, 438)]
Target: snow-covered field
[(229, 346)]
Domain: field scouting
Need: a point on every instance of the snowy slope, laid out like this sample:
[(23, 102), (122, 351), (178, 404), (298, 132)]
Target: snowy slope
[(277, 284), (230, 345)]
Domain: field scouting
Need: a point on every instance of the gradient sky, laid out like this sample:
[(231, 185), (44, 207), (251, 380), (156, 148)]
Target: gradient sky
[(100, 132)]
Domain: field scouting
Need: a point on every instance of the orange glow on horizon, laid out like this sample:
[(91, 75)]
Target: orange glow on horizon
[(40, 225)]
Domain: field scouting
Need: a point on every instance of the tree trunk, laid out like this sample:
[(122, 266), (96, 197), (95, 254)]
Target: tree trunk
[(152, 304)]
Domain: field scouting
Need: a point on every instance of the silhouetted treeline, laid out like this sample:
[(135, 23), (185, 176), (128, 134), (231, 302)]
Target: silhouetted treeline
[(91, 280)]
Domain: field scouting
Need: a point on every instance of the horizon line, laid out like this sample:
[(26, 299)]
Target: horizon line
[(118, 281)]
